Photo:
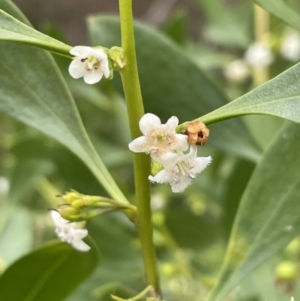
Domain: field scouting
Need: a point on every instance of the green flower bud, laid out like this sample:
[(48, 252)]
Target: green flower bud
[(71, 196), (287, 271), (69, 213), (116, 55)]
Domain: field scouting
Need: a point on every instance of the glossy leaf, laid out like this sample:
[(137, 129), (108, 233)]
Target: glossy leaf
[(58, 269), (34, 93), (278, 97), (268, 216), (281, 10), (12, 29), (173, 85)]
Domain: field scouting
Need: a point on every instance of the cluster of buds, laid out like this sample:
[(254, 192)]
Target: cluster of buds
[(94, 63), (174, 155), (70, 217)]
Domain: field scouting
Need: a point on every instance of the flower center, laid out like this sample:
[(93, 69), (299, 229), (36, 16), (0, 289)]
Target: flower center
[(90, 63), (182, 169)]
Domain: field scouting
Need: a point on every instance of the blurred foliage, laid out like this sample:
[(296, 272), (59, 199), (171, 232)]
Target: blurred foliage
[(246, 199)]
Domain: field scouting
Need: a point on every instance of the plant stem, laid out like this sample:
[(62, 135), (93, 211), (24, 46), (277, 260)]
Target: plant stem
[(261, 31), (135, 108)]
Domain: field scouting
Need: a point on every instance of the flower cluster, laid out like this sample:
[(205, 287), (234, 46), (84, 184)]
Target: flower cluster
[(69, 232), (169, 149)]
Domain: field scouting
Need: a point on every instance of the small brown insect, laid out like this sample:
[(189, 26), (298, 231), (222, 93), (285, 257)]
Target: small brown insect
[(197, 133)]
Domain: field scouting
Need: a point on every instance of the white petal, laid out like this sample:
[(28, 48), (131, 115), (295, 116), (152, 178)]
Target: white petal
[(148, 121), (182, 143), (201, 164), (105, 67), (81, 51), (57, 219), (138, 145), (93, 77), (162, 177), (181, 185), (80, 245), (76, 69), (169, 159), (80, 233), (172, 123), (98, 53)]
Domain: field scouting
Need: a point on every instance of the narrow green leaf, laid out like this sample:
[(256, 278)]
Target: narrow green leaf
[(281, 10), (268, 217), (223, 26), (16, 238), (173, 85), (278, 97), (34, 92), (58, 269), (12, 29)]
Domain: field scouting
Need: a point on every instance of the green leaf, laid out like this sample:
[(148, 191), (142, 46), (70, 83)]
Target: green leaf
[(224, 26), (23, 180), (268, 216), (278, 97), (172, 84), (13, 30), (25, 177), (17, 237), (121, 258), (34, 93), (58, 269), (281, 10)]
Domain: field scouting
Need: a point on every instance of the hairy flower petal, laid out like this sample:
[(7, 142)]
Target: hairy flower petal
[(147, 122), (158, 138), (71, 233), (180, 169)]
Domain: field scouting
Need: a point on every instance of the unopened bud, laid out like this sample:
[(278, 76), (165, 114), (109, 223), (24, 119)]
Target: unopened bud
[(287, 271), (116, 54), (71, 196), (70, 213)]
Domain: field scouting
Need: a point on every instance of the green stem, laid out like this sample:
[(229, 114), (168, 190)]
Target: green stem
[(135, 108), (261, 30)]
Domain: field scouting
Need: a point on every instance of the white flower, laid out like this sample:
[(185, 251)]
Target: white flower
[(180, 170), (290, 48), (158, 138), (259, 55), (71, 233), (89, 63), (4, 185), (236, 71)]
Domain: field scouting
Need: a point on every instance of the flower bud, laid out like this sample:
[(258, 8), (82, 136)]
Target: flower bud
[(116, 55), (70, 213), (71, 196), (287, 271)]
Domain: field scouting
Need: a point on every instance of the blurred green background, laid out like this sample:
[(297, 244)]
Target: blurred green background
[(182, 73)]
